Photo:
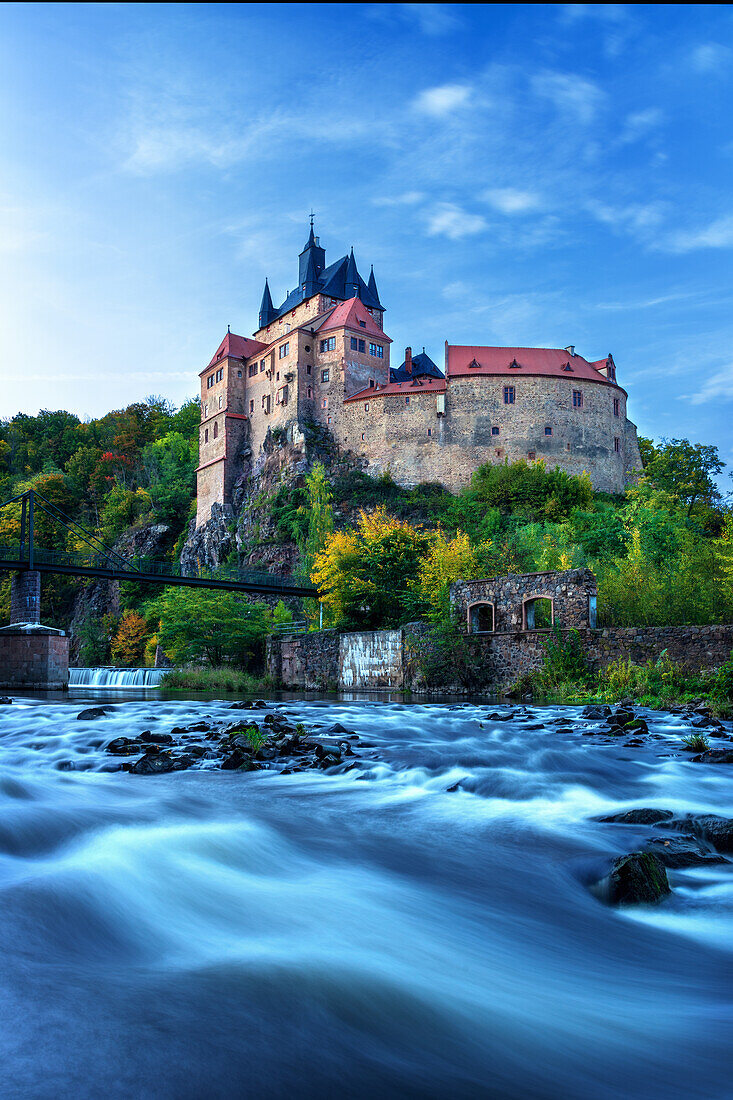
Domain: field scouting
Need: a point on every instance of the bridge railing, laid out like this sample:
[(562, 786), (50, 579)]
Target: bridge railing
[(154, 567)]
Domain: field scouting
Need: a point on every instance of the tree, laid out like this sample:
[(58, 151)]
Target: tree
[(446, 560), (171, 463), (686, 471), (128, 644), (219, 627), (364, 574)]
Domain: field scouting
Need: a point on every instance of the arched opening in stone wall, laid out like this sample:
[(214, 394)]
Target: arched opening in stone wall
[(481, 618), (538, 613)]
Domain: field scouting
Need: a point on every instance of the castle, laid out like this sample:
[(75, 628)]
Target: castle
[(323, 356)]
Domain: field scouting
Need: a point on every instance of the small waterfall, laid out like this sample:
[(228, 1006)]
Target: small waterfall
[(115, 677)]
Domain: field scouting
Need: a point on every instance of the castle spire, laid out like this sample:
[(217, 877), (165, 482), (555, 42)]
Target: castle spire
[(267, 310), (353, 286), (373, 292)]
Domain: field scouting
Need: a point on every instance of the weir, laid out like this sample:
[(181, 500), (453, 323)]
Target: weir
[(117, 678)]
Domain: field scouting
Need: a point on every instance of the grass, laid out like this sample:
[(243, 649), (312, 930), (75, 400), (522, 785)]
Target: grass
[(195, 678), (696, 742), (656, 684)]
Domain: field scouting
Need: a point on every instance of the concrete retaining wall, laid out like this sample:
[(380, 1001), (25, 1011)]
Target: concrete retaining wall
[(371, 660)]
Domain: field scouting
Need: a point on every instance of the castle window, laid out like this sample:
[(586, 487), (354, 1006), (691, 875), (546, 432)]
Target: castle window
[(407, 400), (329, 344), (252, 406), (324, 402), (206, 410), (376, 350), (221, 402), (307, 347), (209, 381), (308, 368), (239, 374), (430, 431), (206, 435), (567, 367), (329, 420), (362, 345), (567, 446), (219, 374), (354, 343), (617, 445), (494, 430), (216, 429), (499, 452), (366, 407), (548, 429), (325, 375), (481, 618), (310, 391), (263, 363), (509, 395), (283, 350), (371, 383), (253, 370), (363, 323), (616, 407), (277, 376), (531, 455), (266, 402), (577, 399), (362, 435)]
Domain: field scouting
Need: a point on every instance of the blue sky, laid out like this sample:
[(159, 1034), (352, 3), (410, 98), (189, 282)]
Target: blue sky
[(520, 175)]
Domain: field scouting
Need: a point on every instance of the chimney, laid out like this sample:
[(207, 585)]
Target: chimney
[(570, 349), (408, 360)]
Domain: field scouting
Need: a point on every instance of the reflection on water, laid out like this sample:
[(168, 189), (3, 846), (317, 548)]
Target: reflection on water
[(220, 934)]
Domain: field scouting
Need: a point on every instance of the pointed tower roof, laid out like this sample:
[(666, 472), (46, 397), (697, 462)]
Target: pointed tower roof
[(373, 292), (353, 282), (267, 310)]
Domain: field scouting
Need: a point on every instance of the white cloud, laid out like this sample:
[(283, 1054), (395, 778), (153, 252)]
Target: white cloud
[(451, 221), (640, 123), (432, 19), (408, 198), (570, 94), (711, 57), (639, 217), (718, 387), (510, 200), (719, 234), (443, 100)]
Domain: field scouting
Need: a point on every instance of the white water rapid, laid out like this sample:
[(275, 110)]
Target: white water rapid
[(379, 932)]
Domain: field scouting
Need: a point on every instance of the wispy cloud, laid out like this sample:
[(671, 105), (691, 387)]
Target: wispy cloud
[(442, 101), (571, 94), (511, 200), (718, 387), (407, 198), (639, 124), (711, 57), (448, 220), (718, 234)]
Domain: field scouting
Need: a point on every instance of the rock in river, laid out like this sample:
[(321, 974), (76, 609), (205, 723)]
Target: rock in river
[(639, 877), (642, 816)]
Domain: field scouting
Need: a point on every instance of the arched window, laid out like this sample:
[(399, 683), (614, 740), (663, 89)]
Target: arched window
[(481, 618), (206, 435), (539, 613), (216, 429)]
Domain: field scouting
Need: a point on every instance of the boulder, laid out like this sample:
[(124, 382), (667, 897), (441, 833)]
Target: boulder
[(155, 738), (125, 746), (714, 756), (596, 712), (92, 713), (638, 878), (685, 850), (718, 831), (153, 764), (642, 816)]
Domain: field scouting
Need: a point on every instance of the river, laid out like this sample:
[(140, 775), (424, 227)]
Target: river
[(373, 933)]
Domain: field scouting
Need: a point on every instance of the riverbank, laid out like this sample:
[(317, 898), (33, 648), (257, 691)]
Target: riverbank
[(202, 678)]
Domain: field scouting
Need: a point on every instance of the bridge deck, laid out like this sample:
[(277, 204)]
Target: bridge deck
[(145, 570)]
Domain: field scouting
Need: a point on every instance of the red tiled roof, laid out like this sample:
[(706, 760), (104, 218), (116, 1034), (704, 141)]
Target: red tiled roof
[(239, 347), (543, 361), (410, 389), (349, 314)]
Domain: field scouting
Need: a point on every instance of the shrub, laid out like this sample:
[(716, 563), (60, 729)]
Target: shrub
[(696, 742)]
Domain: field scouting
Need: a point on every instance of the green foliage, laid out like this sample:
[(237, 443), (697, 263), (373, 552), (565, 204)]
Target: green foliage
[(217, 627), (226, 678), (128, 644), (696, 742), (122, 508), (564, 659), (686, 471), (722, 684), (171, 464), (94, 635)]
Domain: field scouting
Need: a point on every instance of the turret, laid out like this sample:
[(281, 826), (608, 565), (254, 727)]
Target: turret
[(373, 292), (353, 286), (267, 310), (311, 261)]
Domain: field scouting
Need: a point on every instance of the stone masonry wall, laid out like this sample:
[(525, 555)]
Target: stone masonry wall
[(25, 597), (33, 660), (493, 661), (569, 590)]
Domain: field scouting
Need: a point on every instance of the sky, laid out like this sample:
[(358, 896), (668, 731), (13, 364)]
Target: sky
[(520, 175)]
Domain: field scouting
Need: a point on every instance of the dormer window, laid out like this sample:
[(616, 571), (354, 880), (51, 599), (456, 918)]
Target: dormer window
[(567, 366), (514, 364), (363, 324), (474, 363)]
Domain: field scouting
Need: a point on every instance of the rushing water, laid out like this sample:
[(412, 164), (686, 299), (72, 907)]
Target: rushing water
[(217, 934), (115, 678)]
